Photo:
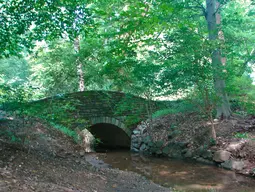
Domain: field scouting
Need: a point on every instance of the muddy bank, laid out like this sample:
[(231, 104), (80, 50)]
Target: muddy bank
[(52, 162), (182, 175), (187, 136)]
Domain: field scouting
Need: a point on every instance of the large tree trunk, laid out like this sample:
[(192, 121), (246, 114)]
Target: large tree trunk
[(213, 22), (79, 65)]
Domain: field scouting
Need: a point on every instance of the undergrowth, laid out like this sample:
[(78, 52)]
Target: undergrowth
[(11, 136), (241, 135), (65, 130), (174, 107)]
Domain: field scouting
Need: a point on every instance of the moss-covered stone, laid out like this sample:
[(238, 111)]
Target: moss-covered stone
[(158, 152), (188, 154), (166, 150), (182, 144), (153, 149), (143, 147), (147, 139), (159, 144), (151, 143)]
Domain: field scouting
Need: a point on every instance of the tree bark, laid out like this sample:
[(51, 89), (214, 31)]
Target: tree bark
[(213, 23), (79, 65)]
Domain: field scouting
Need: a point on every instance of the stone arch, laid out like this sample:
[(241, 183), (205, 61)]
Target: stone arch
[(110, 120)]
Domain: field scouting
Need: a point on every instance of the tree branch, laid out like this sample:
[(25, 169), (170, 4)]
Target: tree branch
[(252, 55), (159, 34), (200, 5), (219, 5)]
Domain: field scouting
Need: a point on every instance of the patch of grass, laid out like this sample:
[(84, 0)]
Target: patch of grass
[(241, 135), (164, 112), (174, 107), (71, 133)]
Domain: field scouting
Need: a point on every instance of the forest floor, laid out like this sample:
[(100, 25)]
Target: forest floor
[(45, 160)]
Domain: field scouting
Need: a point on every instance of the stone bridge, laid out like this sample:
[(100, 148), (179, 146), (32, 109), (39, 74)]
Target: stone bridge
[(109, 116)]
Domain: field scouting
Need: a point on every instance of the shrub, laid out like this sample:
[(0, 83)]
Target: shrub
[(71, 133), (241, 135), (174, 107)]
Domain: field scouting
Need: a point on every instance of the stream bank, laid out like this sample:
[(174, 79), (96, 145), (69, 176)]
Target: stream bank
[(44, 159), (187, 136), (182, 175), (50, 162)]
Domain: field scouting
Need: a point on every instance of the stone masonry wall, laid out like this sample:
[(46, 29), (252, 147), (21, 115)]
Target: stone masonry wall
[(90, 105)]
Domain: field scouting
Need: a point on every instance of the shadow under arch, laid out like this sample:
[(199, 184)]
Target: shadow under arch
[(110, 120), (110, 135)]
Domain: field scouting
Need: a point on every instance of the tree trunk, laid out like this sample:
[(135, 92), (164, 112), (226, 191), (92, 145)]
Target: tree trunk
[(213, 23), (79, 65), (213, 131)]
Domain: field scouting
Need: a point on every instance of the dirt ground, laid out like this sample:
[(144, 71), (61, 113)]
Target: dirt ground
[(51, 162)]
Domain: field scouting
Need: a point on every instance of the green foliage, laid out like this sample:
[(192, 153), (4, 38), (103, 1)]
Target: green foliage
[(11, 136), (132, 120), (129, 106), (26, 21), (164, 112), (145, 48), (56, 111), (249, 103), (175, 107), (242, 92), (15, 71), (70, 133), (54, 68), (14, 84), (241, 135), (212, 142), (131, 53), (97, 142)]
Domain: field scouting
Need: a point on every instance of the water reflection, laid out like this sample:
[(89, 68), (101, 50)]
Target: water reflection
[(183, 175)]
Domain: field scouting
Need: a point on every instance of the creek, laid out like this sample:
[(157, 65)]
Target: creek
[(180, 174)]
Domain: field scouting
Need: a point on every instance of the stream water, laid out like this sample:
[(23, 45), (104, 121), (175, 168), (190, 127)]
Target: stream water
[(182, 175)]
